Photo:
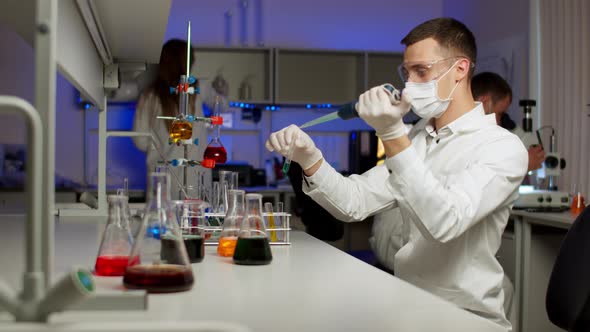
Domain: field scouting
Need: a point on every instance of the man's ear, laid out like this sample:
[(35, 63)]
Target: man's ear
[(462, 69)]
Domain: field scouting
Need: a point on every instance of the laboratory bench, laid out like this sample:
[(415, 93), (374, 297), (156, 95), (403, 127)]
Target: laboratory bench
[(309, 286), (533, 248)]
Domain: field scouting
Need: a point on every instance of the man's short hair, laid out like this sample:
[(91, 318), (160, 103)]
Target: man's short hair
[(488, 83), (450, 34)]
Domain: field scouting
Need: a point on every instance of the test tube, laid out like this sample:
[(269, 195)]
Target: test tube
[(271, 221), (287, 163)]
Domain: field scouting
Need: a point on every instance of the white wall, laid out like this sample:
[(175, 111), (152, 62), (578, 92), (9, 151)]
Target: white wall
[(325, 24)]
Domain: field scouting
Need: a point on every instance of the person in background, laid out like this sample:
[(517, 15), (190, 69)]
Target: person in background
[(495, 95), (454, 176), (156, 100)]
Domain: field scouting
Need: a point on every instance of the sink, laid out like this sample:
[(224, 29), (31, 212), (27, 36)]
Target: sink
[(125, 326)]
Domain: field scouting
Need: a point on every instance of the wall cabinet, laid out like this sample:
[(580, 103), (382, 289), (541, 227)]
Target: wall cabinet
[(240, 67), (297, 76)]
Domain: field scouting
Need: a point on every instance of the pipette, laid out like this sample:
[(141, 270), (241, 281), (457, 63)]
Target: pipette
[(348, 111)]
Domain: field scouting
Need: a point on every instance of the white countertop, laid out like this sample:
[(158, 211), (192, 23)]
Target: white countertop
[(309, 286), (553, 219)]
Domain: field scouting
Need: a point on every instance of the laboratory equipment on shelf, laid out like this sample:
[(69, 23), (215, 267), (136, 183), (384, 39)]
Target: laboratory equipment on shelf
[(191, 215), (117, 239), (158, 261), (231, 223), (252, 247), (215, 149)]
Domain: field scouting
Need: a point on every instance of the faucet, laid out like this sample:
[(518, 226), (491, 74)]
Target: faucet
[(35, 303)]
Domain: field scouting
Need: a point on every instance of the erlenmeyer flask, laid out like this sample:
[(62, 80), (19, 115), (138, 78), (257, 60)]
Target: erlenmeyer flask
[(252, 247), (231, 224), (117, 240), (191, 215), (158, 262), (181, 129)]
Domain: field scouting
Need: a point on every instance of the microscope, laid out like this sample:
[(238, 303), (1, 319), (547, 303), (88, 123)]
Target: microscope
[(535, 199)]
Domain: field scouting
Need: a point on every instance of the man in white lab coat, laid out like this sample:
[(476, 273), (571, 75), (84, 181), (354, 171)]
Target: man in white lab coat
[(454, 176)]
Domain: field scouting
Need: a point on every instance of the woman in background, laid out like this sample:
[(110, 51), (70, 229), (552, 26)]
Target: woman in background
[(156, 100)]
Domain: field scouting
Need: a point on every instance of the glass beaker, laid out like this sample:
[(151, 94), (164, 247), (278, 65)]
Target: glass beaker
[(191, 215), (225, 178), (252, 247), (158, 262), (231, 224), (117, 240)]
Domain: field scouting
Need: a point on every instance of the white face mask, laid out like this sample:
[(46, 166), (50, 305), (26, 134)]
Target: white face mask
[(425, 101)]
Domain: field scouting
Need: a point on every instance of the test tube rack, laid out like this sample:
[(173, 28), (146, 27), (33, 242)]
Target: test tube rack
[(214, 225)]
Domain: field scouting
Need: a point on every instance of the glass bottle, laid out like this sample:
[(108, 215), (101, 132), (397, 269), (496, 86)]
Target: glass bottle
[(159, 262), (231, 224), (117, 239), (253, 247)]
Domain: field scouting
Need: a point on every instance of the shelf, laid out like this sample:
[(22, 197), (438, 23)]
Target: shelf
[(382, 68), (237, 64), (304, 76)]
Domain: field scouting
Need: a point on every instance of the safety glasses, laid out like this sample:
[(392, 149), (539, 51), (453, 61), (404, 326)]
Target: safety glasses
[(424, 71)]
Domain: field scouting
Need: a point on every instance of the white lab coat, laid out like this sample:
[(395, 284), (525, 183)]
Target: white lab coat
[(454, 189), (147, 109)]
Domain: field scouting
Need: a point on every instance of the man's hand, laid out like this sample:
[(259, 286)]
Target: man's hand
[(305, 153), (536, 157), (382, 112)]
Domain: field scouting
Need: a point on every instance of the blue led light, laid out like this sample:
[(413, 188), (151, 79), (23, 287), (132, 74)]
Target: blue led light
[(353, 136), (308, 106), (231, 103), (329, 105), (241, 104), (86, 106), (267, 108), (278, 108), (272, 108)]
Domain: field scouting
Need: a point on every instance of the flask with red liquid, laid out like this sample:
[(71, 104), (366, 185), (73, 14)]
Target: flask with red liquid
[(159, 262), (215, 149), (113, 254)]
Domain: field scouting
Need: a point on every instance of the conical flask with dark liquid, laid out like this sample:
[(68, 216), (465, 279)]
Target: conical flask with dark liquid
[(117, 240), (191, 215), (252, 247), (158, 261), (231, 224)]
